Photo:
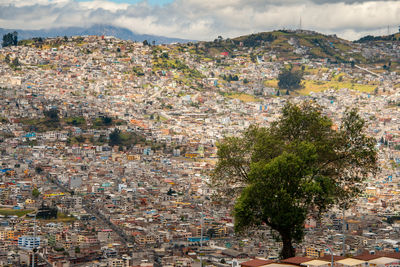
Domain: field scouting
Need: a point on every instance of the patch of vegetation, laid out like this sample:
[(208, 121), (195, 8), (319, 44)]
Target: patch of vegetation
[(289, 79), (370, 38), (242, 97), (254, 40), (103, 121), (75, 121), (4, 120), (138, 70), (230, 77), (10, 39), (127, 139), (12, 212), (166, 63), (319, 86), (80, 139)]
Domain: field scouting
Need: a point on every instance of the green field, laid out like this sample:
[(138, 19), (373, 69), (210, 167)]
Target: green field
[(11, 212), (320, 86), (62, 217), (243, 97)]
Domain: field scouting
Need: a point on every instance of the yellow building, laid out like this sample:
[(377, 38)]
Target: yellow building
[(30, 201), (313, 252), (10, 234)]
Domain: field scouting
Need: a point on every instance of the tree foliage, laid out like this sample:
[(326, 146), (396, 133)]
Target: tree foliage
[(35, 193), (128, 139), (76, 121), (103, 121), (254, 40), (115, 138), (51, 114), (10, 39), (289, 79), (297, 167)]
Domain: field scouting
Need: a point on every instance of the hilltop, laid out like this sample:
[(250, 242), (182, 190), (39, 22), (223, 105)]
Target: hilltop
[(291, 45), (385, 38), (294, 45)]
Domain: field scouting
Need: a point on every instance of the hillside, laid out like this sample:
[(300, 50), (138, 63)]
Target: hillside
[(291, 45), (386, 38)]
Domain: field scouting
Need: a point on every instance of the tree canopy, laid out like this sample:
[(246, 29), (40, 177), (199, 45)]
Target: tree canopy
[(35, 192), (10, 39), (299, 166), (289, 79), (51, 114)]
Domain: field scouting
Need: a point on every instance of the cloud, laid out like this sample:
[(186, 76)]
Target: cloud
[(207, 19)]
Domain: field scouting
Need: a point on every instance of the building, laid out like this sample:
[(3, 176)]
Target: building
[(28, 242)]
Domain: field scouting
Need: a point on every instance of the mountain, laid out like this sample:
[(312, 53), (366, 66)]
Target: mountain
[(118, 32), (290, 44), (385, 38), (303, 44)]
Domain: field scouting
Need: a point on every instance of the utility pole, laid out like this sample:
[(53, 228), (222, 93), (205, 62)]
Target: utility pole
[(300, 24), (330, 250), (34, 242), (201, 236), (344, 236)]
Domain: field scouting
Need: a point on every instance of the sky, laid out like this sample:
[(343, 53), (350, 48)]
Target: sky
[(207, 19)]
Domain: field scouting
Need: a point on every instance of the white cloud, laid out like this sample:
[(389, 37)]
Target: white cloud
[(206, 19), (22, 3), (106, 5)]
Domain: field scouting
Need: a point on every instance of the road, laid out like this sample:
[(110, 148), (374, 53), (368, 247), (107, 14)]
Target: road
[(367, 70), (94, 211)]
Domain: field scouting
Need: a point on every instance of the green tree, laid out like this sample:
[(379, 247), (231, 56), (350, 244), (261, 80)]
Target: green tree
[(38, 170), (7, 59), (289, 79), (10, 39), (115, 138), (106, 120), (298, 167), (35, 192), (15, 63), (51, 114)]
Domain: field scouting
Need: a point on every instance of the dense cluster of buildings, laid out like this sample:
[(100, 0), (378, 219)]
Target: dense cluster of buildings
[(147, 202)]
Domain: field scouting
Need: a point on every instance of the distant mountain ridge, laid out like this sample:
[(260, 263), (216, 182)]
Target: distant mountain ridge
[(291, 44), (98, 29)]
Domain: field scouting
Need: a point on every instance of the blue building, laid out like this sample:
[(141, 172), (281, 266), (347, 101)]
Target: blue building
[(28, 242)]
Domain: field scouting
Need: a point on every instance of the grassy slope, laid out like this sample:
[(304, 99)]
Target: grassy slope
[(318, 45), (11, 212)]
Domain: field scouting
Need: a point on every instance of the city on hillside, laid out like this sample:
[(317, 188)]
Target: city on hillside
[(108, 147)]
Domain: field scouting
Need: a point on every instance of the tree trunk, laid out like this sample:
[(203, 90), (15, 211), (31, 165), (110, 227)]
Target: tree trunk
[(287, 249)]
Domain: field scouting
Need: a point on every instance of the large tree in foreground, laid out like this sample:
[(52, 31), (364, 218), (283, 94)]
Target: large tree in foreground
[(299, 166)]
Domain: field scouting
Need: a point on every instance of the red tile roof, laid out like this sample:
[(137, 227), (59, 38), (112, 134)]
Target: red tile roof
[(296, 260), (328, 257), (367, 257)]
